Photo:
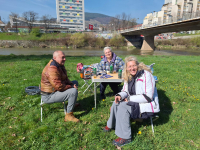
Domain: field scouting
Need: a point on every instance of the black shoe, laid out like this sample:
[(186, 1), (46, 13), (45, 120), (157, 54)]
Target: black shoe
[(121, 142)]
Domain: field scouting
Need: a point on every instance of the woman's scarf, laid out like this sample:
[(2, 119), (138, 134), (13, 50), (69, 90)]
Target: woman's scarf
[(131, 84)]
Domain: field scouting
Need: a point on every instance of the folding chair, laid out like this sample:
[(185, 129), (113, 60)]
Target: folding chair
[(152, 119), (152, 70), (41, 104), (155, 117), (86, 75)]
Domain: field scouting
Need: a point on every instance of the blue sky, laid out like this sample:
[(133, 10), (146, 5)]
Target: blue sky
[(137, 8)]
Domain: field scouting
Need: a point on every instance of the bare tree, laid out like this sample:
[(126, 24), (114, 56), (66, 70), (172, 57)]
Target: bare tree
[(133, 22), (30, 17), (7, 26), (117, 22), (128, 23), (122, 21), (47, 20), (15, 17)]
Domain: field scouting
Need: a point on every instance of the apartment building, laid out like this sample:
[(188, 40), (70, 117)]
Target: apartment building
[(70, 14), (174, 10), (168, 1)]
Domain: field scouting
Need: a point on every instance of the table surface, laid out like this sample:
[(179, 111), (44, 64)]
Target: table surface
[(111, 79)]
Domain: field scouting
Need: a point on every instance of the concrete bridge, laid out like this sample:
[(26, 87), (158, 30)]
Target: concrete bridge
[(150, 32)]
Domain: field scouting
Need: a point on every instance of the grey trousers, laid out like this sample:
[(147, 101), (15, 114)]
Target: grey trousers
[(120, 119), (69, 94)]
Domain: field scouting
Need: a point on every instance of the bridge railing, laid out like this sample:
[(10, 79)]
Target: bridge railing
[(175, 19)]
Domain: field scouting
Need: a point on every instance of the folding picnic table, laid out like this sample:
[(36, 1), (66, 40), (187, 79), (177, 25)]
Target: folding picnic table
[(114, 78)]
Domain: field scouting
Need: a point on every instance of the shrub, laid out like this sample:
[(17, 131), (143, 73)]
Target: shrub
[(67, 39), (117, 41), (158, 42), (91, 39), (166, 42), (176, 42), (77, 40), (35, 32), (100, 42), (196, 41), (180, 41)]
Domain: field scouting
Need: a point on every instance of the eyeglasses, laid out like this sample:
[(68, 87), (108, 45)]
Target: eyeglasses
[(108, 52)]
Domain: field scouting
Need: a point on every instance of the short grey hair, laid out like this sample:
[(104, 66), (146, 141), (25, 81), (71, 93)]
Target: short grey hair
[(105, 48), (56, 53)]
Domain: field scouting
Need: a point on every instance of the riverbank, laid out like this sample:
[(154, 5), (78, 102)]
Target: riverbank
[(87, 40), (55, 40), (178, 44), (176, 128)]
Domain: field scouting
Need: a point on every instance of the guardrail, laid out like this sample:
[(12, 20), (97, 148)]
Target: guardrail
[(176, 19)]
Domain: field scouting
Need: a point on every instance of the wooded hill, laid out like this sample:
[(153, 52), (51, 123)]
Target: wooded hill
[(103, 19)]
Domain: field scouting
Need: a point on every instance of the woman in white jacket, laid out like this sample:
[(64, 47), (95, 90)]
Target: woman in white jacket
[(138, 99)]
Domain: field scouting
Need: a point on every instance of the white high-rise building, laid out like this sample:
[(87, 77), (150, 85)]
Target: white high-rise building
[(168, 1), (70, 14), (174, 10)]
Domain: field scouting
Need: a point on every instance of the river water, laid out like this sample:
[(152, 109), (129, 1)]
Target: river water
[(92, 52)]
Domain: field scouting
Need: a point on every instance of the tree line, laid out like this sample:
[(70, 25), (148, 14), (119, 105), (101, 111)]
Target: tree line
[(29, 17), (121, 21)]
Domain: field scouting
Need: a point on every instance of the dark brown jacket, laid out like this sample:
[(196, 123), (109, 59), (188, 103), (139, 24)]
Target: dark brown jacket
[(54, 78)]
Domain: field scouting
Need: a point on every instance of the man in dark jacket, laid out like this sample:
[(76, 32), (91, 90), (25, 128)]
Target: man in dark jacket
[(56, 87)]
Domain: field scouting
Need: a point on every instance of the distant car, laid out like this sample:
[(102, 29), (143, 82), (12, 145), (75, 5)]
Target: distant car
[(160, 37)]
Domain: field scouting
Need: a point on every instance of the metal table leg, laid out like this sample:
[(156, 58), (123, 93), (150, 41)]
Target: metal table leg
[(95, 94), (88, 87)]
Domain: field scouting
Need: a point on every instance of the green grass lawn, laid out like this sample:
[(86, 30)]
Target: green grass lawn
[(177, 127)]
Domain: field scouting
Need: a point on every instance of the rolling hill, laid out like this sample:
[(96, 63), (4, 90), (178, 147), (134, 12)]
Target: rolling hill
[(103, 19)]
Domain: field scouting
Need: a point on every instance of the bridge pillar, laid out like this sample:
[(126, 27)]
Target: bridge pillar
[(148, 43)]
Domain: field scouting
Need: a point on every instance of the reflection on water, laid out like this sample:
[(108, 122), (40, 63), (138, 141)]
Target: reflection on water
[(90, 52)]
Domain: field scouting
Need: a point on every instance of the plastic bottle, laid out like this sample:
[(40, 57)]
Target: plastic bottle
[(82, 73), (111, 68), (94, 72), (120, 74)]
